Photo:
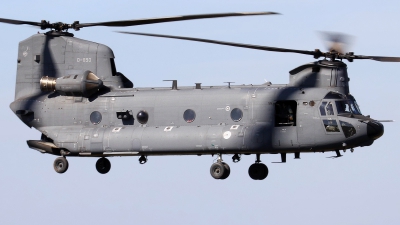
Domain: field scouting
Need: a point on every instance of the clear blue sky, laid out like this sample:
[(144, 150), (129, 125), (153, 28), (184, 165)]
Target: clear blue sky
[(359, 188)]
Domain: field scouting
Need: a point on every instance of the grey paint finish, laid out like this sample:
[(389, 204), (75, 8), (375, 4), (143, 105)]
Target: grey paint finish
[(65, 119), (60, 56)]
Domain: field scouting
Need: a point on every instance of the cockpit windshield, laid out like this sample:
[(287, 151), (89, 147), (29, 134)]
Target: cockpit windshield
[(347, 106), (354, 107)]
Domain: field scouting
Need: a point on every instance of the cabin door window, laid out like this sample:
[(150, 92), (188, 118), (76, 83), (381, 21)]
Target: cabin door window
[(285, 113)]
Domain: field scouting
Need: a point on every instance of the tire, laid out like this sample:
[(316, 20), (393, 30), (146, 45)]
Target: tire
[(254, 171), (217, 170), (263, 171), (103, 165), (60, 165), (258, 171), (227, 171)]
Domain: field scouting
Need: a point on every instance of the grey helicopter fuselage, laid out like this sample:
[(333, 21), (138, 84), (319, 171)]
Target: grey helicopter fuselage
[(108, 117)]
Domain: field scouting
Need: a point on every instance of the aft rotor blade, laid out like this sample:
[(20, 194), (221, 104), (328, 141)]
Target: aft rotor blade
[(258, 47), (125, 23), (19, 22)]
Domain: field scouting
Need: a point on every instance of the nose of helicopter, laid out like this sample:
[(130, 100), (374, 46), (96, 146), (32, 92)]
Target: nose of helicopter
[(374, 130)]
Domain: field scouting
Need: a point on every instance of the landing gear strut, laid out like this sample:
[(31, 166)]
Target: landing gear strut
[(220, 170), (103, 165), (60, 165), (258, 170)]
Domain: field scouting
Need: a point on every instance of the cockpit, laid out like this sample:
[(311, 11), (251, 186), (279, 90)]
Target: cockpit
[(344, 105), (335, 104)]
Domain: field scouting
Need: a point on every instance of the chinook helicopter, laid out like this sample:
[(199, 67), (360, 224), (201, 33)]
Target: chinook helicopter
[(69, 90)]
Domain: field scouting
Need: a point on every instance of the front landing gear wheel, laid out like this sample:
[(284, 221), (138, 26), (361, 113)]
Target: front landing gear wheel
[(258, 171), (220, 170), (60, 165), (103, 165), (217, 170)]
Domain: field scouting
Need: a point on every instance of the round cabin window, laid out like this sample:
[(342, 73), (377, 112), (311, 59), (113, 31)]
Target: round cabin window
[(189, 115), (95, 117), (142, 117), (236, 114)]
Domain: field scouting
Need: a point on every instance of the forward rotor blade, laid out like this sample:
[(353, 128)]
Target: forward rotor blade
[(258, 47), (125, 23), (316, 54), (19, 22), (379, 58)]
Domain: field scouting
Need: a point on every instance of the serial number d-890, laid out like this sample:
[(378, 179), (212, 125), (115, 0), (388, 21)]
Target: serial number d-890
[(85, 60)]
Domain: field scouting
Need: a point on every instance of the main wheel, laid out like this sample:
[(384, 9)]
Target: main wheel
[(227, 171), (217, 170), (103, 165), (253, 171), (258, 171), (264, 171), (60, 165)]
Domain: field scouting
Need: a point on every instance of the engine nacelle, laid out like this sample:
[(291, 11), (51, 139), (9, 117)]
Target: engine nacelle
[(76, 85)]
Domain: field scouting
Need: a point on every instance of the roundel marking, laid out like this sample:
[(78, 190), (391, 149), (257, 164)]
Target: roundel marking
[(227, 134)]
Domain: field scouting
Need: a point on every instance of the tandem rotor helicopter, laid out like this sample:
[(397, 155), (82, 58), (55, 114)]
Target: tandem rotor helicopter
[(69, 90)]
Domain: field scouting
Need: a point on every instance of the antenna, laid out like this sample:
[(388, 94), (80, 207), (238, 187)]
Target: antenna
[(229, 83), (174, 84)]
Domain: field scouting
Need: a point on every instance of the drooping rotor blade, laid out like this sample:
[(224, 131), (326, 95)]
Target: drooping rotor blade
[(316, 53), (125, 23), (19, 22), (258, 47)]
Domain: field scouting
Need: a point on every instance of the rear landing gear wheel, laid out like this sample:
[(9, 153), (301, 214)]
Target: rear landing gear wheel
[(60, 165), (103, 165), (258, 171)]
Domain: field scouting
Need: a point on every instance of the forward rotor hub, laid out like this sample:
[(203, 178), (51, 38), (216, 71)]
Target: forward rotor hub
[(59, 26)]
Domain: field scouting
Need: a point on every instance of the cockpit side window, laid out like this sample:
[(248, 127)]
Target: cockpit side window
[(329, 109), (322, 109), (326, 109), (348, 129), (331, 126)]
